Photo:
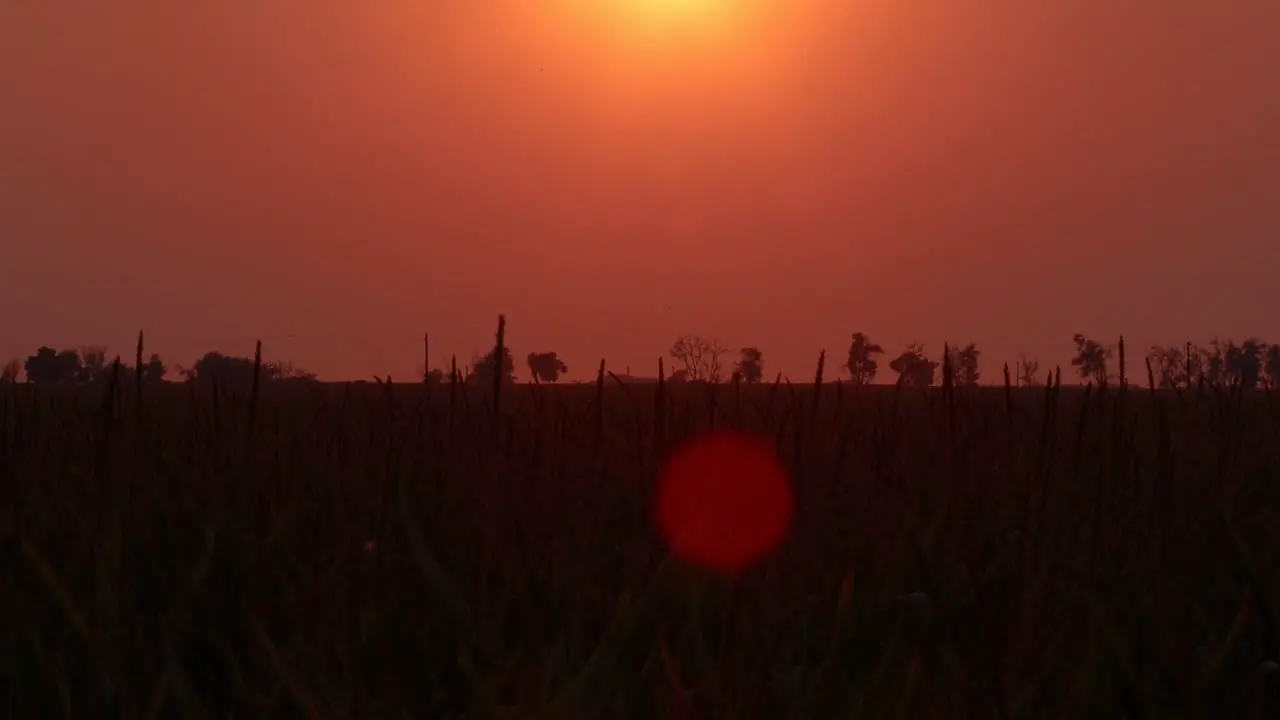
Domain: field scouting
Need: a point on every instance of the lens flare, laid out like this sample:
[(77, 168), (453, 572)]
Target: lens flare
[(724, 501)]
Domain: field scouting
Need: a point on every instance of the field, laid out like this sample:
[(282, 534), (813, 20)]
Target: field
[(405, 551)]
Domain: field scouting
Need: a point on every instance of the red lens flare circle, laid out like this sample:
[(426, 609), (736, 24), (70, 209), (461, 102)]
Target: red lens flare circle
[(724, 501)]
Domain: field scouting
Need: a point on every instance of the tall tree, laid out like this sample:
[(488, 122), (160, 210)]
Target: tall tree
[(1244, 362), (1272, 365), (1196, 359), (1212, 362), (862, 365), (964, 363), (750, 365), (1169, 365), (1091, 359), (700, 356), (93, 364), (1028, 371)]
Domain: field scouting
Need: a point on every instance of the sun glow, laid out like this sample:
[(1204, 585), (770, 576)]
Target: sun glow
[(676, 59), (677, 12), (668, 20)]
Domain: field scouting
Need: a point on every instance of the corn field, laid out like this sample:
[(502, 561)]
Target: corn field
[(437, 551)]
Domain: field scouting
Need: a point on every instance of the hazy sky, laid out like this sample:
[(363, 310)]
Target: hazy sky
[(337, 177)]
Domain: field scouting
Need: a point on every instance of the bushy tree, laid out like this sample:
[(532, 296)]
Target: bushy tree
[(483, 367), (862, 365), (93, 364), (236, 371), (913, 367), (546, 366), (1211, 361), (153, 371), (1091, 359), (1272, 365), (964, 364), (286, 371), (750, 366), (1244, 362), (9, 373), (1168, 365), (51, 366), (224, 369)]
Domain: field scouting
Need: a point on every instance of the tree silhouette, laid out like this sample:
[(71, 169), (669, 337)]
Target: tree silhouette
[(224, 369), (750, 365), (862, 365), (153, 371), (1244, 362), (286, 371), (1250, 363), (43, 366), (1091, 359), (1169, 365), (546, 367), (51, 366), (700, 357), (433, 376), (1272, 366), (229, 370), (1196, 359), (70, 369), (964, 364), (482, 368), (1028, 371), (93, 364), (1212, 362), (913, 368), (9, 373)]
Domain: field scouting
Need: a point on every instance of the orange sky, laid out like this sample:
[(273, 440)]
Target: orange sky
[(337, 177)]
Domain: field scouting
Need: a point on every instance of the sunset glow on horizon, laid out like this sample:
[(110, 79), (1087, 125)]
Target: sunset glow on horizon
[(640, 358), (337, 179), (674, 14)]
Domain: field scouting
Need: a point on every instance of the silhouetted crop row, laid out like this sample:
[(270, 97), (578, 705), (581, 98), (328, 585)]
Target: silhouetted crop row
[(452, 550)]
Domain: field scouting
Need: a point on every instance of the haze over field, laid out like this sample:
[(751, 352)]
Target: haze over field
[(336, 178)]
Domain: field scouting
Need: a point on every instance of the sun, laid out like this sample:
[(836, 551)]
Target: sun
[(677, 12), (687, 46), (665, 18)]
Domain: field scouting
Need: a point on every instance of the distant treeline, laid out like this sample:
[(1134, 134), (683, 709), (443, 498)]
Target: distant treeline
[(1250, 363)]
